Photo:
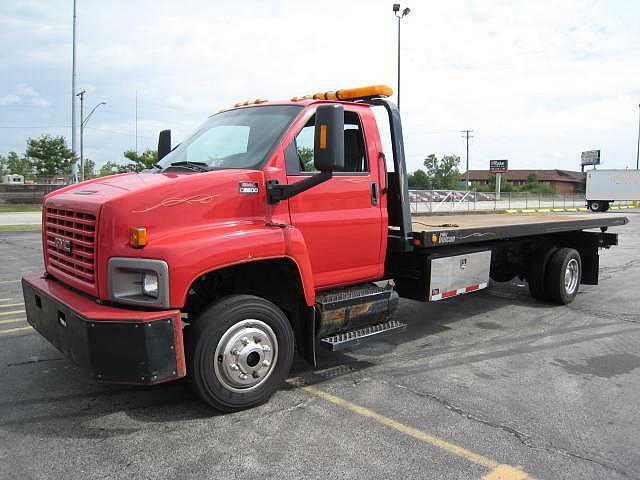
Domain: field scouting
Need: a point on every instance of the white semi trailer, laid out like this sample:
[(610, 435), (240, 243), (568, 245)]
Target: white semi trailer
[(607, 186)]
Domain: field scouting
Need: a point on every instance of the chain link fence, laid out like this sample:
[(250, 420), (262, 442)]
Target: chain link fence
[(25, 193), (450, 201)]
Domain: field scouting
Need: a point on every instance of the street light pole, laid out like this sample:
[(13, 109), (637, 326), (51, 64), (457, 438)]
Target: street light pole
[(81, 176), (638, 150), (83, 123), (74, 106), (400, 16)]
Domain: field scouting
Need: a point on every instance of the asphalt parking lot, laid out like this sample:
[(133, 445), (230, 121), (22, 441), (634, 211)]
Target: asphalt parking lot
[(492, 385)]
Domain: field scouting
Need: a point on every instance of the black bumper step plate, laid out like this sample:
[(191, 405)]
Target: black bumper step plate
[(352, 338)]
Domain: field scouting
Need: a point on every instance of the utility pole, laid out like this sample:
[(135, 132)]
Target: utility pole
[(467, 135), (74, 106), (638, 150), (400, 16), (136, 122), (81, 95)]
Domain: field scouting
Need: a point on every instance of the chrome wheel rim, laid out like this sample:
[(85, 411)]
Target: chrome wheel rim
[(571, 276), (246, 355)]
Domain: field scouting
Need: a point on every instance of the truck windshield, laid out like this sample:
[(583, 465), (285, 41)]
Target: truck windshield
[(239, 138)]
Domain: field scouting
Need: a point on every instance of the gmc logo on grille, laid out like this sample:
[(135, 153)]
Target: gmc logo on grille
[(63, 244)]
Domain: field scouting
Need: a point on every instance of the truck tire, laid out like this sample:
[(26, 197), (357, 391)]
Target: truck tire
[(595, 206), (239, 351), (536, 274), (563, 275)]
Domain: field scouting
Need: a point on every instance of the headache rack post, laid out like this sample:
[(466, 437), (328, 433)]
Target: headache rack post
[(403, 242)]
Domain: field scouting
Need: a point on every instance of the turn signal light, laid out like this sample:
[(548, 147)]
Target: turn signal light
[(138, 237)]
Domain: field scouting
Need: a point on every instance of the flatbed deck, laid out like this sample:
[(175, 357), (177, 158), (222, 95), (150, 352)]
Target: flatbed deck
[(434, 231)]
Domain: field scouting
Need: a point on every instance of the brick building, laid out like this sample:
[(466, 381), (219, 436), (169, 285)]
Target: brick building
[(562, 181)]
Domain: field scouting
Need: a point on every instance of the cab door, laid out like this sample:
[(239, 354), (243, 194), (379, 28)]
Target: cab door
[(341, 218)]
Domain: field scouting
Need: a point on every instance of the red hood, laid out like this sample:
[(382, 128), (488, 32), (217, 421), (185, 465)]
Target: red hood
[(165, 203)]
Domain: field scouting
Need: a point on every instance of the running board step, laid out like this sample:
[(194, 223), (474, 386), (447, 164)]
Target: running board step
[(344, 340)]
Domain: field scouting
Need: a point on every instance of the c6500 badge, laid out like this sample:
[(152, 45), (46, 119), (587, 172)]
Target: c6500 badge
[(249, 187)]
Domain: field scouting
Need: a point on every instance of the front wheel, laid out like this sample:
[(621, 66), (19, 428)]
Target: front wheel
[(238, 352)]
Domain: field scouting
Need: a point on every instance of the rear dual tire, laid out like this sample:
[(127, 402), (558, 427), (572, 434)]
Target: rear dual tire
[(599, 206), (555, 275)]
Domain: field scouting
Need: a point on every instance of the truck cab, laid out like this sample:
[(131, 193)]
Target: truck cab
[(262, 234)]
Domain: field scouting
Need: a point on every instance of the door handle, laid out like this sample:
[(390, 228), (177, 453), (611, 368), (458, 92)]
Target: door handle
[(375, 194)]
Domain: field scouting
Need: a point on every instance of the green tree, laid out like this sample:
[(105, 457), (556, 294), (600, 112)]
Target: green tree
[(16, 163), (140, 161), (444, 173), (306, 157), (111, 168), (50, 155), (419, 180), (89, 168), (534, 186), (505, 185)]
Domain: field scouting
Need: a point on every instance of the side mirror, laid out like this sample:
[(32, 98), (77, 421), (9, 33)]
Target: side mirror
[(328, 151), (164, 143)]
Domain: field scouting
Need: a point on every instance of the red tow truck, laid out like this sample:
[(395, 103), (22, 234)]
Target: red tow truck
[(269, 230)]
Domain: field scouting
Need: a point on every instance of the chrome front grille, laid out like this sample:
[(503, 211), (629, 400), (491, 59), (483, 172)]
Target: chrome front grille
[(70, 243)]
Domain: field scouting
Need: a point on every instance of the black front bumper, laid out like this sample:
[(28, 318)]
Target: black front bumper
[(145, 348)]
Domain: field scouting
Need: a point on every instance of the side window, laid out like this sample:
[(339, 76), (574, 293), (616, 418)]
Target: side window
[(299, 154)]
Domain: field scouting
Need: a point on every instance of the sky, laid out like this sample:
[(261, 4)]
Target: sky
[(538, 82)]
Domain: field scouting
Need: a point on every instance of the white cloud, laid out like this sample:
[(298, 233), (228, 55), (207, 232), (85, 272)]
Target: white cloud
[(538, 81), (39, 102), (10, 100), (26, 91)]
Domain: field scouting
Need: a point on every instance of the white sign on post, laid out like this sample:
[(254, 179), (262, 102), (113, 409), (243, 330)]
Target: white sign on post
[(498, 167)]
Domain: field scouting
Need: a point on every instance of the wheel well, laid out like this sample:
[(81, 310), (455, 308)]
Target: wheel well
[(276, 280)]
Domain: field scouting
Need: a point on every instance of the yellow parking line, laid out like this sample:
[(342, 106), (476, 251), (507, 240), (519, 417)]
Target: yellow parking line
[(13, 330), (498, 471), (12, 312), (13, 320), (506, 472), (2, 305)]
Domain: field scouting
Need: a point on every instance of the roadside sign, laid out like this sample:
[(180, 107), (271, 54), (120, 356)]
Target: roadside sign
[(590, 157), (498, 166)]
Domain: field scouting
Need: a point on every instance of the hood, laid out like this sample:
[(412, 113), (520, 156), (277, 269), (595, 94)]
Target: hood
[(164, 203)]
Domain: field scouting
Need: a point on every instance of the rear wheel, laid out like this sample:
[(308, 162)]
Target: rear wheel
[(595, 206), (563, 275), (238, 352)]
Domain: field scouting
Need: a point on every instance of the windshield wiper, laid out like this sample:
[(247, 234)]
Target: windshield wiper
[(197, 166)]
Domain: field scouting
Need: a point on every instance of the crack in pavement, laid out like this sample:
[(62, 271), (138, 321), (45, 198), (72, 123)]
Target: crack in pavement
[(523, 438)]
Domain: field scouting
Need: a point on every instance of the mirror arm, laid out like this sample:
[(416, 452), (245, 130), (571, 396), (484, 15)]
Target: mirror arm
[(277, 192)]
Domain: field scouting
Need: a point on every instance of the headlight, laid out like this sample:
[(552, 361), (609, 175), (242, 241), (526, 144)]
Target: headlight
[(150, 284), (139, 281)]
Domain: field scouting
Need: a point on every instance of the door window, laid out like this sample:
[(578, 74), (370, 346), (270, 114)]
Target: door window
[(299, 153)]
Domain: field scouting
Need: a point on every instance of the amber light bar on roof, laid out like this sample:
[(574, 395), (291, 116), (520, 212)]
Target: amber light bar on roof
[(351, 93)]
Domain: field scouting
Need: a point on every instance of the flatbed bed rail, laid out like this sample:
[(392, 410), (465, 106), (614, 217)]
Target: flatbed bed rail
[(439, 231)]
